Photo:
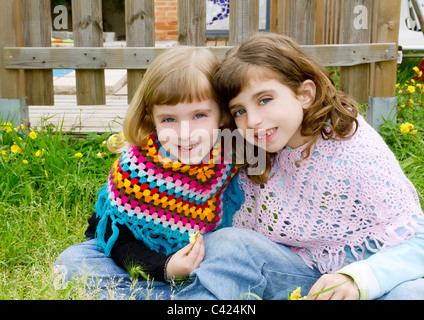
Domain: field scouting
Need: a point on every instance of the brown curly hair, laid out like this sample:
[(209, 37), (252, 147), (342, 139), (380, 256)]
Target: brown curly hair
[(331, 116)]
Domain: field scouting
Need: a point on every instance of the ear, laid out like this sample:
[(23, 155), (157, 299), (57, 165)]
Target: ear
[(307, 93)]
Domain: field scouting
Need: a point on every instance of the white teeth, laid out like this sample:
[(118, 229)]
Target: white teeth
[(267, 134), (187, 148)]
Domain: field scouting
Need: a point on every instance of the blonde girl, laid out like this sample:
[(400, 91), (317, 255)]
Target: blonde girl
[(167, 185)]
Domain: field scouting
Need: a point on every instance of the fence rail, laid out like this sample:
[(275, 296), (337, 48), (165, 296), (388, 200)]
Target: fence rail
[(363, 43), (140, 58)]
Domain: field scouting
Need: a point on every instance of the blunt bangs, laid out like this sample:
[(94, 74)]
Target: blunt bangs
[(184, 86)]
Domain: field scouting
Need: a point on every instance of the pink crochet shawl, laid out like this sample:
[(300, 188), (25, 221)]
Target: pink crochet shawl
[(346, 195)]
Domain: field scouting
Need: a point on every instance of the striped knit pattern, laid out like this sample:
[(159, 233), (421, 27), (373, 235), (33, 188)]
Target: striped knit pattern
[(163, 201)]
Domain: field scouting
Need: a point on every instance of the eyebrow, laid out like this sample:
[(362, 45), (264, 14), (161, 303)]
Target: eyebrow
[(194, 111)]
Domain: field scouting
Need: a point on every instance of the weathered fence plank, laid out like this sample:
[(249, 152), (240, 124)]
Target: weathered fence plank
[(192, 22), (385, 27), (37, 26), (354, 33), (244, 20), (140, 58), (88, 32), (12, 86), (140, 32)]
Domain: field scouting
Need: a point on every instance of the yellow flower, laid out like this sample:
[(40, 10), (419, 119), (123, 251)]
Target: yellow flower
[(414, 132), (25, 161), (8, 127), (194, 236), (33, 135), (15, 148), (418, 72), (295, 295), (411, 89), (78, 155), (38, 153), (405, 128)]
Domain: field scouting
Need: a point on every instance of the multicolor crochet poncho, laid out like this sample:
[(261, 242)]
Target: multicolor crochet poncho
[(161, 200)]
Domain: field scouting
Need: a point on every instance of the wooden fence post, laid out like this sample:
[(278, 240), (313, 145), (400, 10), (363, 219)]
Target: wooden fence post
[(37, 26), (192, 22), (140, 32), (244, 20), (12, 86), (294, 18), (355, 27), (385, 28), (88, 32)]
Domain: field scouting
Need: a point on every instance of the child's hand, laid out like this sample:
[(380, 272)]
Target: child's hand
[(185, 260), (347, 291)]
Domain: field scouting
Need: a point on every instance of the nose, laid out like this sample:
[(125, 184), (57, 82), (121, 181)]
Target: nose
[(254, 119), (185, 131)]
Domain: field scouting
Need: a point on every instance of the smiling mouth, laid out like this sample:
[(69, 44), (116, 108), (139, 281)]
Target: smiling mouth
[(264, 134), (187, 148)]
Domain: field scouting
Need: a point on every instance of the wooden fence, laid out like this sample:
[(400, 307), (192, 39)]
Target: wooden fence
[(359, 36)]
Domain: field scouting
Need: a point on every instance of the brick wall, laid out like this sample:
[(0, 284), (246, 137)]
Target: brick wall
[(166, 20)]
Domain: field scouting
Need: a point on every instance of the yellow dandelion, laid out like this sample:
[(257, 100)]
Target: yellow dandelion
[(295, 295), (418, 72), (78, 155), (405, 128), (25, 161), (15, 148), (194, 236), (33, 135), (38, 153), (8, 127)]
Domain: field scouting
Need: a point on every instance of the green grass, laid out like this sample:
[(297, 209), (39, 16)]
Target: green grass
[(45, 202), (408, 145)]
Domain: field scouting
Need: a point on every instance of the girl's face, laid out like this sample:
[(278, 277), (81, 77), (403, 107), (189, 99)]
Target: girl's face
[(269, 114), (188, 131)]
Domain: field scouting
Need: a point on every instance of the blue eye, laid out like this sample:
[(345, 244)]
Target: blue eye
[(239, 113), (264, 101), (168, 120), (199, 115)]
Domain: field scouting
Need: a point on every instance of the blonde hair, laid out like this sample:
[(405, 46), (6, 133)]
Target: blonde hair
[(331, 116), (180, 74)]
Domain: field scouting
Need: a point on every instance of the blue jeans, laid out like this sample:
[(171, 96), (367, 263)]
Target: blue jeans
[(237, 261), (105, 277)]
